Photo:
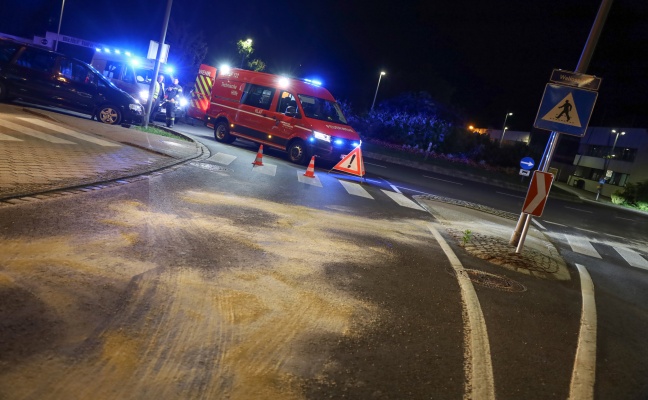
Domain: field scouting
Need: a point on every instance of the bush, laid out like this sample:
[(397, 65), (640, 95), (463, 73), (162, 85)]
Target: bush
[(635, 195), (618, 197)]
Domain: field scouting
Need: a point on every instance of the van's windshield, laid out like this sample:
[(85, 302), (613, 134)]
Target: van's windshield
[(321, 109)]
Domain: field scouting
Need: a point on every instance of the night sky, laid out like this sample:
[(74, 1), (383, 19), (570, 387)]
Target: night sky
[(483, 58)]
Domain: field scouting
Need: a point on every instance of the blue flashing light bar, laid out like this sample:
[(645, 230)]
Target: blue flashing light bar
[(313, 82)]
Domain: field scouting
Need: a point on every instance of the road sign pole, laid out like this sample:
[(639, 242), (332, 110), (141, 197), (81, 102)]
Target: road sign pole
[(583, 64)]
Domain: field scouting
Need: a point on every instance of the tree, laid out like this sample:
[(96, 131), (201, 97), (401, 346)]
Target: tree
[(187, 49), (257, 65), (245, 49)]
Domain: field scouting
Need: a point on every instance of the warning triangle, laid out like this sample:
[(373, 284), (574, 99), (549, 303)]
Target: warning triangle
[(564, 112), (352, 163)]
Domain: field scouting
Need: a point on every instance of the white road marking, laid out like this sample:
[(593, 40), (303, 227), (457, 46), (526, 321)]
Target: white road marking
[(9, 138), (267, 169), (577, 209), (584, 372), (627, 219), (555, 223), (222, 158), (355, 189), (582, 246), (402, 200), (442, 180), (315, 181), (477, 356), (70, 132), (511, 195), (394, 187), (30, 132), (376, 165), (538, 224), (413, 190), (633, 258)]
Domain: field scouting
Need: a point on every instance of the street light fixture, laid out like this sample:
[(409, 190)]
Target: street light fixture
[(504, 128), (374, 100)]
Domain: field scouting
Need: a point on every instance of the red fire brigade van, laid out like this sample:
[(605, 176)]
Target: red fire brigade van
[(296, 116)]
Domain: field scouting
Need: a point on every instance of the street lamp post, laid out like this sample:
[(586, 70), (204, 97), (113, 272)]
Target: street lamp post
[(374, 100), (504, 128), (611, 154), (603, 180), (58, 32)]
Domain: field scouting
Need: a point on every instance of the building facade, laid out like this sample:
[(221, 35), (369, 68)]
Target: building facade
[(610, 158)]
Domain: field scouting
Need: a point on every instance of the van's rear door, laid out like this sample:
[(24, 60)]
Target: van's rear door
[(201, 93)]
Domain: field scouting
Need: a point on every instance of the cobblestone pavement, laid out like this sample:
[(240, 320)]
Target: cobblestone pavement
[(42, 151), (485, 233)]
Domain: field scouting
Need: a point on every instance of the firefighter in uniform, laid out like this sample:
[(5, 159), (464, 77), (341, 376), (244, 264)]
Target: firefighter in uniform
[(172, 94)]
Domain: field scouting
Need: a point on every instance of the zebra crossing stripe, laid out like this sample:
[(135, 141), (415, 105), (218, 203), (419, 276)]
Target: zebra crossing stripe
[(9, 138), (402, 200), (29, 132), (314, 181), (355, 189), (70, 132), (222, 158), (267, 169), (582, 246), (632, 257)]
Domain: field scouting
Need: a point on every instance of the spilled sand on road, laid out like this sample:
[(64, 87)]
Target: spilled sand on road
[(141, 309)]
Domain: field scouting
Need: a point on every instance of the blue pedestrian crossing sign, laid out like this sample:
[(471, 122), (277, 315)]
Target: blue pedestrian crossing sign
[(565, 109)]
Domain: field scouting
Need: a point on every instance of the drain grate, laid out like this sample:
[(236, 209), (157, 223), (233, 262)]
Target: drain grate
[(492, 281)]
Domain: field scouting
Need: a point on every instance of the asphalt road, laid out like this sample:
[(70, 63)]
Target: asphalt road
[(219, 280)]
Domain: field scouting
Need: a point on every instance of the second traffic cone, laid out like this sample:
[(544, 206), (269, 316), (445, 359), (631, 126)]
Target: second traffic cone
[(259, 157), (310, 171)]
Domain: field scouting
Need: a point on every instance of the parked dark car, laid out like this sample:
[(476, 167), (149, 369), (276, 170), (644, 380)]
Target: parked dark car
[(38, 75)]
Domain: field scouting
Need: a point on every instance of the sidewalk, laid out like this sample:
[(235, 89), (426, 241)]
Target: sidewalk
[(54, 151)]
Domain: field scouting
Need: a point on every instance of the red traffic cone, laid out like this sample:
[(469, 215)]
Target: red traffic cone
[(310, 171), (259, 156)]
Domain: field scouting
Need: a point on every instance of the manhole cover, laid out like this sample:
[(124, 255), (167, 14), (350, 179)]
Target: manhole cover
[(492, 281)]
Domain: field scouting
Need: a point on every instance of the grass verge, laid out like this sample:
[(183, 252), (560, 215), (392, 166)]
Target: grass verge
[(157, 131)]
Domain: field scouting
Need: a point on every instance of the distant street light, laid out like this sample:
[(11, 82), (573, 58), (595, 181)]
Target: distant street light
[(374, 100), (58, 33), (504, 128)]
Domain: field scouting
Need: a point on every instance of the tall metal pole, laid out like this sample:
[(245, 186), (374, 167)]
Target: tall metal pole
[(377, 86), (58, 32), (583, 64), (156, 69), (504, 128)]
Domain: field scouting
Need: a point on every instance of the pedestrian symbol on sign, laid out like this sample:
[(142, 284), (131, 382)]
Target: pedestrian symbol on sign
[(564, 108)]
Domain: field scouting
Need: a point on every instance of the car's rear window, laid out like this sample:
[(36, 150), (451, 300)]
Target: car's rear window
[(7, 51)]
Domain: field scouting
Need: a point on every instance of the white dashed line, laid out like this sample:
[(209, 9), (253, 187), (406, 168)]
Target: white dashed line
[(442, 180), (577, 209), (511, 195)]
